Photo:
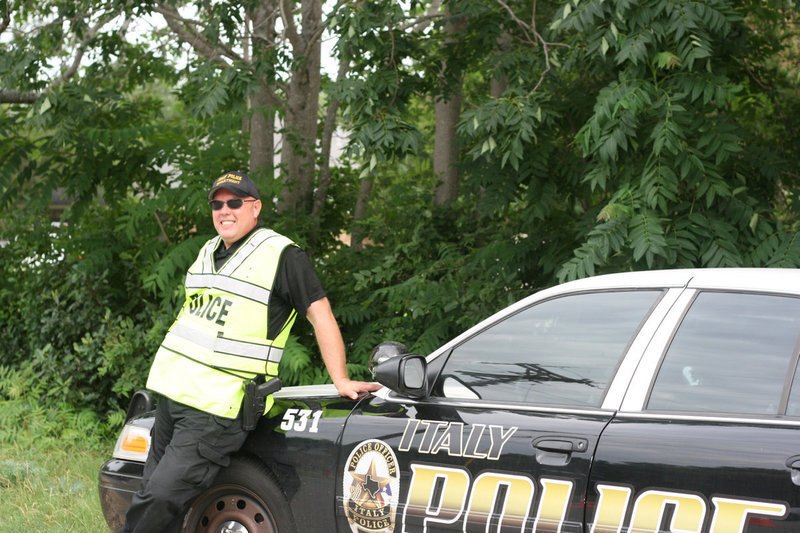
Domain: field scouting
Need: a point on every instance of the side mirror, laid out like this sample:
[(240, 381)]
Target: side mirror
[(406, 375), (385, 351), (141, 402)]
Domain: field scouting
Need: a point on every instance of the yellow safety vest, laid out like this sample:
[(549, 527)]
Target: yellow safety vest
[(219, 339)]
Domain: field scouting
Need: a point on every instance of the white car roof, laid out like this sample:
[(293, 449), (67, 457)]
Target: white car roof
[(784, 280)]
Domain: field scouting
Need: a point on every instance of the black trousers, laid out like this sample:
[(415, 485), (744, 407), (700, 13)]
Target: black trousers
[(188, 449)]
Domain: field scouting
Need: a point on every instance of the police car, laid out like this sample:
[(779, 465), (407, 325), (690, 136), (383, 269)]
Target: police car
[(665, 401)]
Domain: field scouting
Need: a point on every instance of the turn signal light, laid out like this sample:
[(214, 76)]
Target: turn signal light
[(133, 443)]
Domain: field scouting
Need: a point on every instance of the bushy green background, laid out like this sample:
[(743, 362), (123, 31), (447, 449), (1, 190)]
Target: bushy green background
[(628, 135)]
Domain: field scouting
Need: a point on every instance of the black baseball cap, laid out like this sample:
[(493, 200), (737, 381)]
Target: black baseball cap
[(238, 183)]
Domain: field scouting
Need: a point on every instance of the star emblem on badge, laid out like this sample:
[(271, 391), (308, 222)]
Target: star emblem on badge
[(370, 481)]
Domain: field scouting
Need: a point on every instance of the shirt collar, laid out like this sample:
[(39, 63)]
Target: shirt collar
[(223, 253)]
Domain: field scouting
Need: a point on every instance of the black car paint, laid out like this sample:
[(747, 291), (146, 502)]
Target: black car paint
[(743, 459)]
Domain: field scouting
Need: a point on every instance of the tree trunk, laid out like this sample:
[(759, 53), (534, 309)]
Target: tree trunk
[(364, 191), (448, 111), (302, 105), (445, 149), (327, 140), (262, 138), (498, 86), (261, 121)]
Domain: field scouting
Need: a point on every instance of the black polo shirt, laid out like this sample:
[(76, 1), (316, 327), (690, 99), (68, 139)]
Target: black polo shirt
[(296, 284)]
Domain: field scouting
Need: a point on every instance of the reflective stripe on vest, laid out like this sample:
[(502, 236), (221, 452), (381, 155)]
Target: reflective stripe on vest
[(231, 285), (260, 352)]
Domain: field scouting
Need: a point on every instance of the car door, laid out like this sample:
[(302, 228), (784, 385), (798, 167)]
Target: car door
[(504, 441), (708, 438)]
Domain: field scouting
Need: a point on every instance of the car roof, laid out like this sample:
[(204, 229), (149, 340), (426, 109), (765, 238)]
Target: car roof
[(784, 280)]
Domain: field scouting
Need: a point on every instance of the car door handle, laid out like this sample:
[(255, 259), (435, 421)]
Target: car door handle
[(561, 445), (557, 451), (794, 465)]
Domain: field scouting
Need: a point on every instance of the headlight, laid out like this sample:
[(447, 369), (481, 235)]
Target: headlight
[(133, 443)]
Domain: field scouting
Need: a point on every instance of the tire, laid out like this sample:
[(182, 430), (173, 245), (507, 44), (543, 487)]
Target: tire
[(244, 498)]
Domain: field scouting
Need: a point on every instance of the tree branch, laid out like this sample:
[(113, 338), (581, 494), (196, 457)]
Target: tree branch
[(76, 60), (535, 41), (434, 12), (18, 97), (161, 228), (30, 97), (6, 20), (185, 30), (289, 25)]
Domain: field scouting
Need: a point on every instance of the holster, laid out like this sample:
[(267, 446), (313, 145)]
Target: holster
[(255, 400)]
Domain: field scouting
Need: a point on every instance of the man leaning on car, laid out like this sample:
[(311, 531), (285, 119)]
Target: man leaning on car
[(243, 293)]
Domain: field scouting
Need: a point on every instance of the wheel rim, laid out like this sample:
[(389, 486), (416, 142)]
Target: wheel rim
[(230, 509)]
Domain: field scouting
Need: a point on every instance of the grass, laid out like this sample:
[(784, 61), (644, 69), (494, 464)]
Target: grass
[(49, 461)]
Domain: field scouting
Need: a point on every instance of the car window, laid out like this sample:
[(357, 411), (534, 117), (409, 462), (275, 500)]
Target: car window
[(561, 351), (731, 354)]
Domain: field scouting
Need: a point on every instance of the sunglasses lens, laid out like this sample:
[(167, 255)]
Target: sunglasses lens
[(233, 203)]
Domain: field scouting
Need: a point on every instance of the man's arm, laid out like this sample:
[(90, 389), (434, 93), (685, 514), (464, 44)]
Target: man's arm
[(331, 345)]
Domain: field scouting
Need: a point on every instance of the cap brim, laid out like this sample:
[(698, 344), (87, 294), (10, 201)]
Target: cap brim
[(237, 191)]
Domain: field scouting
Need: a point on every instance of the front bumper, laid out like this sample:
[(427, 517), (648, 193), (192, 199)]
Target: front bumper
[(118, 481)]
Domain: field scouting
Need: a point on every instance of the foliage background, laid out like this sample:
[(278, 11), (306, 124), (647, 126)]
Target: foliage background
[(591, 136)]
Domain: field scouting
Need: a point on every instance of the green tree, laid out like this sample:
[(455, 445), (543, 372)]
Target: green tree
[(683, 178)]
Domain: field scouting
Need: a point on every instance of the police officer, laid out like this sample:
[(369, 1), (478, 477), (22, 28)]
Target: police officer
[(242, 296)]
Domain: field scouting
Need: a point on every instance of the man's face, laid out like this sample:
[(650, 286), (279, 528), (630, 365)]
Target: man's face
[(233, 224)]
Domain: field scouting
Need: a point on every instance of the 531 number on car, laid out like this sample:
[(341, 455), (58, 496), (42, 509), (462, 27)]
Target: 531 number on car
[(296, 419)]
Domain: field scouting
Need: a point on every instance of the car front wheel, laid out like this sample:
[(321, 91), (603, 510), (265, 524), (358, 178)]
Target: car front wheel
[(243, 499)]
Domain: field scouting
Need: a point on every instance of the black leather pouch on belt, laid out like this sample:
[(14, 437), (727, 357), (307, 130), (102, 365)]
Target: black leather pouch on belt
[(255, 400)]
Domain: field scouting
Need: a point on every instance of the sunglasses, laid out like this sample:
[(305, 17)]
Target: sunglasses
[(233, 203)]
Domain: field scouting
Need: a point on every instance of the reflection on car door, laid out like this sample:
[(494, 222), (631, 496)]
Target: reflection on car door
[(505, 441), (715, 445)]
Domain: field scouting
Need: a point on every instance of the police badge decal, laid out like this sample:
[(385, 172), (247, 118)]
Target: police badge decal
[(371, 487)]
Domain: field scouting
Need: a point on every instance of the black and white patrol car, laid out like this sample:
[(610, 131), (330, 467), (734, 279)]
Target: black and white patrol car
[(640, 402)]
